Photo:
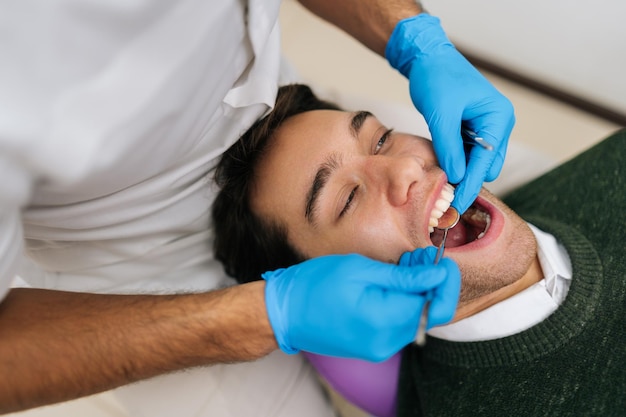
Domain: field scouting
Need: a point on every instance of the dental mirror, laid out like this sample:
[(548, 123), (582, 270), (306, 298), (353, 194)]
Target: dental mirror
[(449, 219)]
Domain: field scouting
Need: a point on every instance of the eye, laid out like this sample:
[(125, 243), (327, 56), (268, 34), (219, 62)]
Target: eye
[(382, 141), (346, 207)]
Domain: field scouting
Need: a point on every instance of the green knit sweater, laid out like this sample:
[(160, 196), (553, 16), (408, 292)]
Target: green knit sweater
[(574, 362)]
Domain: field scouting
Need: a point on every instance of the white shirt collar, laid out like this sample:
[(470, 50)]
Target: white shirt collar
[(524, 309)]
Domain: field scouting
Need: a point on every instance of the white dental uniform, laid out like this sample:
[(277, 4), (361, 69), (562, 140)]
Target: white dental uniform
[(111, 115)]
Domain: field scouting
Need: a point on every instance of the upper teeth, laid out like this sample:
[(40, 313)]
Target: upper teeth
[(441, 205)]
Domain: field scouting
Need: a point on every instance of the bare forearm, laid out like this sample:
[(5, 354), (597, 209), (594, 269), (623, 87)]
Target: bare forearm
[(56, 346), (369, 21)]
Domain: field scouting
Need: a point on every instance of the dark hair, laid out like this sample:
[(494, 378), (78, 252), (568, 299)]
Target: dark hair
[(246, 244)]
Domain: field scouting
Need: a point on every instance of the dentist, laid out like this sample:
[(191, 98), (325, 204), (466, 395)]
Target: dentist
[(111, 116)]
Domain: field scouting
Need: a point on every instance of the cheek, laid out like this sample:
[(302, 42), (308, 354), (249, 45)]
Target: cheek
[(383, 239), (503, 263), (424, 148)]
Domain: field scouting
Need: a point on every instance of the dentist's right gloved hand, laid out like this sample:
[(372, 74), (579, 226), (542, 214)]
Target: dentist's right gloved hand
[(448, 91), (352, 306)]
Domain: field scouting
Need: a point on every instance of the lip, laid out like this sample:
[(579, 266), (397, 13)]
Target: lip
[(493, 232)]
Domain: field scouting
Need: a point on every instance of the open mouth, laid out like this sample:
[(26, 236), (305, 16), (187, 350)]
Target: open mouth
[(473, 225)]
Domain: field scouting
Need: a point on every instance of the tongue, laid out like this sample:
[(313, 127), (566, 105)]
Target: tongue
[(457, 236)]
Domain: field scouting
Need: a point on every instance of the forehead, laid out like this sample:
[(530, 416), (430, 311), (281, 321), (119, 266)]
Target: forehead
[(315, 130), (301, 143), (287, 169)]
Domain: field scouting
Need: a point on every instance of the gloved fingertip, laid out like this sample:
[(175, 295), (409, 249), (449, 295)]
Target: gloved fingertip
[(461, 203), (405, 259), (454, 171), (460, 208), (440, 314), (430, 252), (496, 167), (418, 256), (446, 296), (465, 194), (454, 273), (417, 277)]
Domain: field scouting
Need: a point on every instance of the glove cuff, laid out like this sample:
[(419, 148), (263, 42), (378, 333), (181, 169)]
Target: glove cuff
[(412, 37), (274, 312)]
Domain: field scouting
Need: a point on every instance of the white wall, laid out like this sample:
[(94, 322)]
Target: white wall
[(575, 45), (326, 57)]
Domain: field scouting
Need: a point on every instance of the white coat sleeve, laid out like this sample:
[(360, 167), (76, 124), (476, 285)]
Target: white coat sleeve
[(111, 115), (14, 191), (10, 249)]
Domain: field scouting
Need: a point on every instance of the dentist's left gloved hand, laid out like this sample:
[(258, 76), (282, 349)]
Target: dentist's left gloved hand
[(449, 91), (354, 307)]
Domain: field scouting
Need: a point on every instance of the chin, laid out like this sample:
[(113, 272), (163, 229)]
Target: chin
[(492, 245)]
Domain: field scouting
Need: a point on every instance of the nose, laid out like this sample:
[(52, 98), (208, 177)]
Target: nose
[(394, 176)]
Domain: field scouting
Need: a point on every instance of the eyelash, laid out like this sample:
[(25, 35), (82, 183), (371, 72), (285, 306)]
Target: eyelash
[(382, 140), (349, 201), (379, 145)]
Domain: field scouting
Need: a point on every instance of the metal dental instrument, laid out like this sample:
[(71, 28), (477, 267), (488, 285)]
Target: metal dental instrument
[(471, 137), (449, 219)]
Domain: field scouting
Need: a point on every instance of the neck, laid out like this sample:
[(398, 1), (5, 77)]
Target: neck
[(533, 275)]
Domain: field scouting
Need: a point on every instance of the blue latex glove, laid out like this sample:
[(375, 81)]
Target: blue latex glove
[(351, 306), (448, 91), (438, 312)]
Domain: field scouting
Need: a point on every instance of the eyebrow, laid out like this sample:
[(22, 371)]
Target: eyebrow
[(321, 178), (357, 121), (328, 167)]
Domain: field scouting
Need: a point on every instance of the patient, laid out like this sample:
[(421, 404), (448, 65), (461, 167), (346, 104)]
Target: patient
[(310, 180)]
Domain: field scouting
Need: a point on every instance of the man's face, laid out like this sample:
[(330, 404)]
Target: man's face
[(341, 182)]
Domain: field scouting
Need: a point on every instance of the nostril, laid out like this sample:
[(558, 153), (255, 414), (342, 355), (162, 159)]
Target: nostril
[(401, 174), (400, 192)]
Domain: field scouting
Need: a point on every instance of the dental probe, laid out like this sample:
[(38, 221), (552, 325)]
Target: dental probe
[(449, 219), (471, 137)]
